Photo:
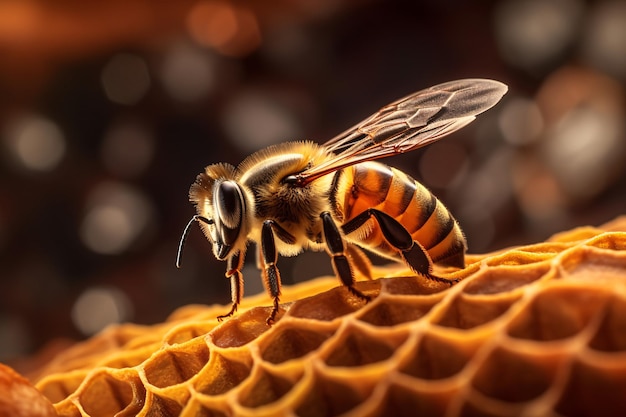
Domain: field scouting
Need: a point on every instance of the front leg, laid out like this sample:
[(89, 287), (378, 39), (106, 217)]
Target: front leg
[(234, 264), (336, 248)]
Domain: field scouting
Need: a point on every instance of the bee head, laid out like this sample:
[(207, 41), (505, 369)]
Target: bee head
[(221, 208)]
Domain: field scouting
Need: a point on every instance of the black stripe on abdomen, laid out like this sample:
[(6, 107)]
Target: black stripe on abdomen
[(445, 224)]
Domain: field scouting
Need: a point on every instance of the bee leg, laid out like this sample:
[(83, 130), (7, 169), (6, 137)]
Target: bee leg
[(336, 248), (412, 252), (360, 260), (233, 272), (269, 257)]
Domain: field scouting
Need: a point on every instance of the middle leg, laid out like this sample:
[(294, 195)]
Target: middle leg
[(337, 250), (271, 276)]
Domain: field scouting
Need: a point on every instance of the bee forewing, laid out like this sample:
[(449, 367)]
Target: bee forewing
[(410, 123), (455, 99)]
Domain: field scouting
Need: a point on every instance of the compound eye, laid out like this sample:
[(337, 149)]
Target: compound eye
[(228, 203)]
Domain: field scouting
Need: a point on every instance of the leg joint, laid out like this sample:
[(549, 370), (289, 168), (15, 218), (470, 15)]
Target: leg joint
[(332, 235)]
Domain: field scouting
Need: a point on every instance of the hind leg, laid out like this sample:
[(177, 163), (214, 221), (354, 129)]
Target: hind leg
[(411, 251)]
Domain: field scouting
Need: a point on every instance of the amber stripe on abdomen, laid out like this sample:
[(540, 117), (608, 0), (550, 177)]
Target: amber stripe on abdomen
[(374, 185)]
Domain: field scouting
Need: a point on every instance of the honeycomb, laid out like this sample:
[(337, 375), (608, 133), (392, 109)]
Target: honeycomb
[(538, 330)]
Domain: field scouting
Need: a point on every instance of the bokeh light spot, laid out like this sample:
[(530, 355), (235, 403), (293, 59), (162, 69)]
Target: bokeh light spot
[(531, 34), (213, 23), (486, 190), (36, 143), (254, 121), (188, 73), (537, 191), (584, 149), (520, 121), (125, 79), (99, 307), (116, 216), (107, 229), (230, 29), (604, 42)]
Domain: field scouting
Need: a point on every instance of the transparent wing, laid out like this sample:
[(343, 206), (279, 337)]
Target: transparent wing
[(409, 123)]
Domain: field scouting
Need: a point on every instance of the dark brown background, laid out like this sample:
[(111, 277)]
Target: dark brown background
[(109, 109)]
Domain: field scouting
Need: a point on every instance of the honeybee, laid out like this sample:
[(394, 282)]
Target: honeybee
[(333, 197)]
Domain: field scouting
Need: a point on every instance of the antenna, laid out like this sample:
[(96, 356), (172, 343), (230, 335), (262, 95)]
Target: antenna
[(183, 238)]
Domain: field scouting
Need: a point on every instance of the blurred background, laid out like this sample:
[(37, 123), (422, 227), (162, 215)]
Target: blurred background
[(109, 109)]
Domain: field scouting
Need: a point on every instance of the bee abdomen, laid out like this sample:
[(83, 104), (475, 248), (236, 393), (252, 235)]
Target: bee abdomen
[(374, 185)]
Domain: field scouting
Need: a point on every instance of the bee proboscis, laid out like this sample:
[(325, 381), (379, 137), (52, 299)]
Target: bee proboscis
[(302, 195)]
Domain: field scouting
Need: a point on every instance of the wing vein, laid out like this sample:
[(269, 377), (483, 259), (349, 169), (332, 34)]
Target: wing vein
[(409, 123)]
